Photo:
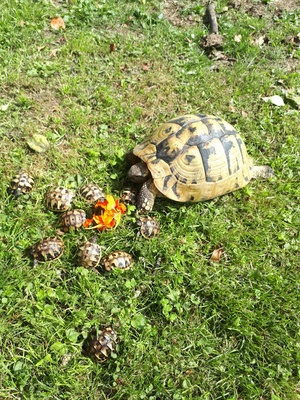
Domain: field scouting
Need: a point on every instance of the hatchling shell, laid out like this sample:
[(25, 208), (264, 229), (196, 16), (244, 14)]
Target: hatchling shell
[(100, 348), (59, 199), (73, 219), (128, 196), (21, 183), (117, 259), (89, 254), (149, 227), (92, 193), (48, 249)]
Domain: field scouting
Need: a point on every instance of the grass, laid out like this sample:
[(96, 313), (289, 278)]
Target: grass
[(189, 328)]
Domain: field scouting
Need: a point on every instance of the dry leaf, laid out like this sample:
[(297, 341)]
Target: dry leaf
[(244, 114), (276, 100), (53, 52), (238, 38), (22, 23), (232, 108), (217, 253), (112, 47), (259, 41), (57, 23), (146, 67)]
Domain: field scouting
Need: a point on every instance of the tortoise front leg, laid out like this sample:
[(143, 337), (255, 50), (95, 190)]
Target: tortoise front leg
[(146, 197)]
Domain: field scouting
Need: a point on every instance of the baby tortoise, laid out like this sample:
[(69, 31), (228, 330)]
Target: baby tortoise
[(117, 259), (92, 193), (89, 254), (72, 220), (21, 183), (149, 227), (128, 196), (59, 199), (99, 346), (48, 249)]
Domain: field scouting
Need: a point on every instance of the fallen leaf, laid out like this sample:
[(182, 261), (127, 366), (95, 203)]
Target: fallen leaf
[(4, 107), (244, 114), (216, 254), (232, 108), (22, 23), (276, 100), (238, 38), (38, 143), (259, 41), (57, 23), (146, 67), (53, 52), (112, 47)]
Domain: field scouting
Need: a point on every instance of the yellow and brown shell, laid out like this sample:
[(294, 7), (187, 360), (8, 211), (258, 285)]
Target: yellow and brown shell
[(92, 193), (117, 259), (72, 220), (21, 183), (149, 226), (89, 254), (99, 347), (196, 158), (47, 249), (59, 199)]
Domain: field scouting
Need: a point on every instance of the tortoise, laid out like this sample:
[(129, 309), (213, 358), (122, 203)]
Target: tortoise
[(47, 249), (192, 158), (117, 259), (99, 346), (92, 193), (128, 195), (72, 219), (89, 254), (59, 199), (21, 183), (149, 227)]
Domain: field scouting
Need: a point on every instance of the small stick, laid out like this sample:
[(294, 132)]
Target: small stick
[(212, 17)]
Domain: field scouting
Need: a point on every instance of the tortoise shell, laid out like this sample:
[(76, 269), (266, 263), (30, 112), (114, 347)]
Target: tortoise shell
[(99, 348), (117, 259), (149, 227), (72, 219), (59, 199), (89, 254), (47, 249), (196, 158), (21, 183), (92, 193), (128, 196)]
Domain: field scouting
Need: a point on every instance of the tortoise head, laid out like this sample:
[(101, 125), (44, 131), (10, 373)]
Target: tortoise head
[(139, 172)]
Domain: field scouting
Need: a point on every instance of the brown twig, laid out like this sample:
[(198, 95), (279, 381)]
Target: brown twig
[(212, 17)]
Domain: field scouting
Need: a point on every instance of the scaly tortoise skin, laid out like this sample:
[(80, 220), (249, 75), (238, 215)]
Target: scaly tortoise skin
[(72, 220), (21, 183), (59, 199), (192, 158), (149, 227), (92, 193), (128, 195), (99, 348), (48, 249), (117, 259), (89, 254)]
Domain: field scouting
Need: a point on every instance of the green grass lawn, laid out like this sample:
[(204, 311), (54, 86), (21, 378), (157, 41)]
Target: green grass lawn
[(189, 328)]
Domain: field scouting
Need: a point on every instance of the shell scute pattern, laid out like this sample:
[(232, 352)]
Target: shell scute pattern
[(89, 254), (48, 249), (101, 347), (59, 199), (92, 193), (21, 183), (73, 219), (149, 227), (196, 158), (117, 259)]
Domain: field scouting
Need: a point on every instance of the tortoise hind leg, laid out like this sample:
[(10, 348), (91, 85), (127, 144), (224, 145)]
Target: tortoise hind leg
[(262, 171), (146, 197)]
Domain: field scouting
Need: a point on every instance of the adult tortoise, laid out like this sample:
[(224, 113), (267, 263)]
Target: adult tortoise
[(192, 158)]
